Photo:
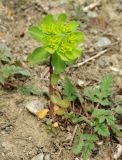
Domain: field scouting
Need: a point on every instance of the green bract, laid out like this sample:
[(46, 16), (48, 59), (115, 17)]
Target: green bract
[(57, 37)]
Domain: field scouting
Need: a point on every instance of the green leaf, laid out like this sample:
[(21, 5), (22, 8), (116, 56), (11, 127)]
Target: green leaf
[(77, 148), (76, 118), (90, 93), (102, 119), (102, 129), (87, 150), (104, 102), (119, 109), (4, 53), (100, 95), (7, 71), (69, 91), (39, 55), (58, 64), (36, 33), (72, 25), (26, 90), (47, 20), (54, 79), (84, 144), (62, 17), (61, 102), (106, 86)]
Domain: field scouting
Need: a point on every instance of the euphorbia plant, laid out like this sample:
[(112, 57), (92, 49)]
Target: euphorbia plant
[(59, 42)]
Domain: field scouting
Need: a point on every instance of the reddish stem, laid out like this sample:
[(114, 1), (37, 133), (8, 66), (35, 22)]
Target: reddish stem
[(51, 89)]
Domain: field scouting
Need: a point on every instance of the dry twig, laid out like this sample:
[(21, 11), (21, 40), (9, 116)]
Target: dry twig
[(91, 58), (92, 5), (73, 135)]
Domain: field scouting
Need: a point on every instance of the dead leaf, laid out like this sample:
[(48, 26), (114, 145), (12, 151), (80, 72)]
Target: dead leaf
[(56, 108), (42, 114), (60, 111), (63, 103), (55, 125), (99, 21)]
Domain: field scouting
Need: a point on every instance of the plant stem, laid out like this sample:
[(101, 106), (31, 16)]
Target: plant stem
[(51, 89)]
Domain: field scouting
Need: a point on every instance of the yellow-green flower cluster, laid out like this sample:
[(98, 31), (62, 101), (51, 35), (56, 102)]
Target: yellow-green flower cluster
[(60, 37)]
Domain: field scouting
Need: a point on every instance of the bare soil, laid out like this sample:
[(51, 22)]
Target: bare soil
[(22, 135)]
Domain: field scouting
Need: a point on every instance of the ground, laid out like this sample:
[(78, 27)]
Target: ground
[(22, 135)]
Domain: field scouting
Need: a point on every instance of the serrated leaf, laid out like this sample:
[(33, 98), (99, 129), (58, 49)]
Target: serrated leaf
[(87, 151), (58, 64), (76, 118), (104, 102), (64, 103), (84, 144), (39, 55), (106, 86), (100, 95), (36, 33), (90, 93), (102, 129), (69, 91), (119, 109), (77, 147)]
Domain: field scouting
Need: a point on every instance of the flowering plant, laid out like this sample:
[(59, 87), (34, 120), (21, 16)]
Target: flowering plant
[(59, 40)]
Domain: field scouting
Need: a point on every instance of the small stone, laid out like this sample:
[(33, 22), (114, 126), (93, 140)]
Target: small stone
[(38, 157), (7, 129), (80, 83), (103, 42), (102, 63), (34, 106), (47, 157), (94, 31), (118, 98), (92, 14), (45, 90), (100, 143), (120, 1)]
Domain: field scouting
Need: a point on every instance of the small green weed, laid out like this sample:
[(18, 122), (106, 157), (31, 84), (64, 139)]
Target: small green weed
[(84, 144), (10, 70), (102, 93), (100, 121)]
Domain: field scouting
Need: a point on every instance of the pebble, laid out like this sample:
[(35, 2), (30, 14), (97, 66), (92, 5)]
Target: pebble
[(47, 157), (92, 14), (80, 83), (120, 1), (118, 98), (34, 106), (101, 62), (7, 129), (103, 42), (38, 157), (41, 156)]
